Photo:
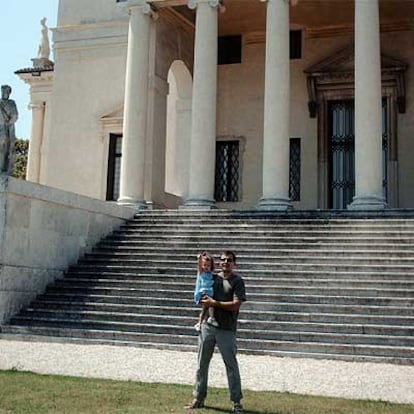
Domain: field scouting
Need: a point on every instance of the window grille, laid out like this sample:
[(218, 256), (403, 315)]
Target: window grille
[(294, 169), (227, 171), (114, 167), (385, 149), (342, 157)]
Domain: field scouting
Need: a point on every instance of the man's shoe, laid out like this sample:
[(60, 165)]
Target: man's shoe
[(195, 404), (238, 408)]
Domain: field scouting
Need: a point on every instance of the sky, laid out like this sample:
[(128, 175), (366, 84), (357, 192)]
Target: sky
[(20, 34)]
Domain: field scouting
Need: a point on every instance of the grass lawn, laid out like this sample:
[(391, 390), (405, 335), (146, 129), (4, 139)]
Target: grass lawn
[(23, 392)]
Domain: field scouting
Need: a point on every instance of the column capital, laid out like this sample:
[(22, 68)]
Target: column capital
[(291, 2), (192, 4), (144, 6), (36, 105)]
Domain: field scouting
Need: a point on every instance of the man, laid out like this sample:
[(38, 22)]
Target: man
[(229, 293), (8, 117)]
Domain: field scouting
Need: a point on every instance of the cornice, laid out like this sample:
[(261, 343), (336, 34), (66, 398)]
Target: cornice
[(348, 30)]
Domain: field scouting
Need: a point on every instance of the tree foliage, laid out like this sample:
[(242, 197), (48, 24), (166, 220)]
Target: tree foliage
[(21, 151)]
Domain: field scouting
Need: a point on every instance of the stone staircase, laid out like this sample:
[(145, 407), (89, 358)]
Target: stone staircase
[(319, 285)]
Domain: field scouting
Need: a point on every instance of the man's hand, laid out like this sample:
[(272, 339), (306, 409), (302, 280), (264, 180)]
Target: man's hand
[(208, 302)]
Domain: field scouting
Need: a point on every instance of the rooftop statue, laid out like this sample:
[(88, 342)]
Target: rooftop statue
[(43, 52), (44, 48), (8, 117)]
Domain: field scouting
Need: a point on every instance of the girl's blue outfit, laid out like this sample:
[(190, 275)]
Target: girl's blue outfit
[(204, 285)]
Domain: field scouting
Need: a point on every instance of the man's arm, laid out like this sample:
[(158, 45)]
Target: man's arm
[(233, 305)]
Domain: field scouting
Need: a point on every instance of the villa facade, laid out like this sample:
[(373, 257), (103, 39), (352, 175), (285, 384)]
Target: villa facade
[(240, 104)]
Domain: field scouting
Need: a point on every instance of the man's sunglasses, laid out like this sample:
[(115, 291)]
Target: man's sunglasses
[(226, 259)]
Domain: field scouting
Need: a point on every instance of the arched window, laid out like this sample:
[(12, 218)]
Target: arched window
[(177, 154)]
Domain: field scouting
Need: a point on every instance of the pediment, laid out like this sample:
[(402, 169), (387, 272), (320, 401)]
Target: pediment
[(343, 61), (112, 120), (117, 112), (336, 71)]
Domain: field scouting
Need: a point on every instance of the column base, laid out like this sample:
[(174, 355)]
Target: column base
[(198, 204), (130, 202), (367, 203), (274, 204)]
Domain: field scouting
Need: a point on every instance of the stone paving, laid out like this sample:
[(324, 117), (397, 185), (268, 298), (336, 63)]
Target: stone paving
[(353, 380)]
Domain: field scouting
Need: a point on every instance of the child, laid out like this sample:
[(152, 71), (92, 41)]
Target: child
[(204, 286)]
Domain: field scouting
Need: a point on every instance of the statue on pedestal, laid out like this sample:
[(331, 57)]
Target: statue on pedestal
[(43, 52), (44, 48), (8, 117)]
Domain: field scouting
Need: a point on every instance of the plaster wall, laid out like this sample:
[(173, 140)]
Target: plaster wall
[(89, 83), (92, 11), (42, 232), (405, 53), (240, 114)]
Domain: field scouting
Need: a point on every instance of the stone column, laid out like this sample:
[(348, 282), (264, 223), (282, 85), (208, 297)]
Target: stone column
[(275, 194), (203, 130), (368, 113), (135, 105), (36, 136)]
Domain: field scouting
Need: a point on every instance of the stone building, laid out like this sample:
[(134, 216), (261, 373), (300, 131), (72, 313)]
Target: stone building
[(236, 104)]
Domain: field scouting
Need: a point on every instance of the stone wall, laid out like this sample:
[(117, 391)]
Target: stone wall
[(42, 232)]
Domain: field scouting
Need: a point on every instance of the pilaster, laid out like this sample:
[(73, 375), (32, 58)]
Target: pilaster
[(36, 135)]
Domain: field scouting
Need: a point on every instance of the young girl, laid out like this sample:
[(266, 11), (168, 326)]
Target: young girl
[(204, 286)]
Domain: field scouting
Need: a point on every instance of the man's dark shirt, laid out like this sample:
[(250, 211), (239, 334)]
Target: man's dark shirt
[(224, 291)]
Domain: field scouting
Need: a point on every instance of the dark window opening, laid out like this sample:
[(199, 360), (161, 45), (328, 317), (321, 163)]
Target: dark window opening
[(229, 50), (295, 39), (114, 167), (226, 186), (294, 169)]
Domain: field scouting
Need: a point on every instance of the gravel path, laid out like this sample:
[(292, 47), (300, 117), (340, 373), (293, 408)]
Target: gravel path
[(354, 380)]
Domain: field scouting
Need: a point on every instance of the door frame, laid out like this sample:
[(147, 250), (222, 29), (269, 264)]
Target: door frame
[(333, 79)]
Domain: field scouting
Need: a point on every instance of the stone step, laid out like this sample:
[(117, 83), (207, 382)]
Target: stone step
[(264, 274), (127, 314), (269, 303), (121, 253), (93, 321), (134, 287), (255, 283), (265, 226), (246, 247), (279, 286), (273, 233), (252, 261), (201, 240), (395, 354), (188, 315), (249, 268), (323, 285)]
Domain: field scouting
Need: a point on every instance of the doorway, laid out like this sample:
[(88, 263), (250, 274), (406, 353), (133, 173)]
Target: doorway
[(341, 143)]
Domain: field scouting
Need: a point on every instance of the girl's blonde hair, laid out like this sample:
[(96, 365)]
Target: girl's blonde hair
[(205, 256)]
